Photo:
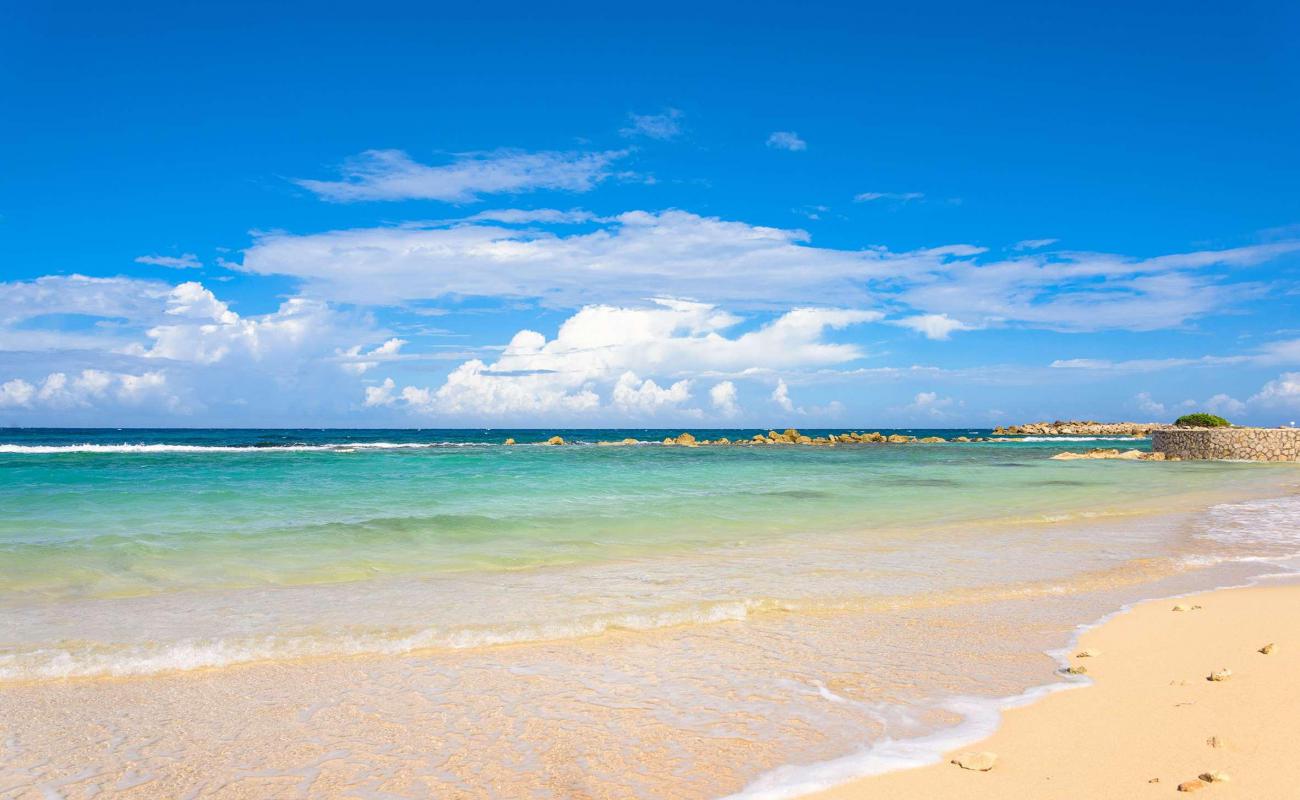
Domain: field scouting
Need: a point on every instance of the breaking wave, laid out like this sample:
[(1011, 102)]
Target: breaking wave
[(98, 660)]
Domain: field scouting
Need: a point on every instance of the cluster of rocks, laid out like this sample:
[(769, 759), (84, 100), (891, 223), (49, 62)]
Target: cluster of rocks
[(792, 436), (1240, 444), (1104, 453), (1076, 427), (789, 436)]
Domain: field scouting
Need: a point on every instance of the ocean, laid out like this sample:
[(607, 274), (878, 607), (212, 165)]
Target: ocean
[(432, 613)]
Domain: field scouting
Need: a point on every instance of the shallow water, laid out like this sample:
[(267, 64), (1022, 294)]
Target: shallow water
[(429, 613)]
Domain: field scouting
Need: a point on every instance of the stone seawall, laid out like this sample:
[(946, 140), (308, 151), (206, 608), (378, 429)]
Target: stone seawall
[(1242, 444)]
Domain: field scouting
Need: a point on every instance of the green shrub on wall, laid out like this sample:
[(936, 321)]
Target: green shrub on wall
[(1201, 421)]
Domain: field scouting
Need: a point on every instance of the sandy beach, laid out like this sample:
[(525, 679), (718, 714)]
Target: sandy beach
[(1152, 720)]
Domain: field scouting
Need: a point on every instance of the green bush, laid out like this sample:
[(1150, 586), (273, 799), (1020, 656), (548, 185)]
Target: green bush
[(1201, 421)]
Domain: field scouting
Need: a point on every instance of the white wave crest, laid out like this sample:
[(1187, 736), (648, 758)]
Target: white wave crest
[(189, 654), (980, 718), (204, 448), (1082, 439)]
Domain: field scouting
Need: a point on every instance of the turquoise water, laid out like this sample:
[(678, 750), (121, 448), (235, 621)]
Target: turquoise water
[(646, 610), (159, 511)]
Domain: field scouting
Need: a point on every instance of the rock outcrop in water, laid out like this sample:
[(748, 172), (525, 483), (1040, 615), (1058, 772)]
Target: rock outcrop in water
[(790, 436), (1076, 427), (1112, 453)]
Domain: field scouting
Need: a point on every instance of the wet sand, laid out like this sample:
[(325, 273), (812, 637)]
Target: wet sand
[(1152, 719)]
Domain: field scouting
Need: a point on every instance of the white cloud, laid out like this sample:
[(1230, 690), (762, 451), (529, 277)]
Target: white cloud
[(110, 298), (1033, 244), (934, 326), (781, 395), (635, 396), (786, 140), (520, 216), (1225, 405), (206, 331), (930, 404), (393, 175), (662, 126), (16, 392), (186, 261), (91, 386), (629, 258), (723, 395), (866, 197), (1282, 392), (149, 350), (1149, 406), (633, 255), (136, 388), (611, 346), (381, 395), (355, 361)]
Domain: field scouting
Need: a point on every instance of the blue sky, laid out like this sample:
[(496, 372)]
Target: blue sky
[(742, 214)]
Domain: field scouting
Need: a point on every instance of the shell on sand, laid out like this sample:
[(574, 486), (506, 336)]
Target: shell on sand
[(1214, 777), (1267, 649), (1219, 675)]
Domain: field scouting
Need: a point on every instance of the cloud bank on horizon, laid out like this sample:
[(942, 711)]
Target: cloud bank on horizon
[(682, 263)]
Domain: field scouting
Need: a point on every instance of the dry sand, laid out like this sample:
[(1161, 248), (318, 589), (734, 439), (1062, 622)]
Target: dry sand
[(1152, 720)]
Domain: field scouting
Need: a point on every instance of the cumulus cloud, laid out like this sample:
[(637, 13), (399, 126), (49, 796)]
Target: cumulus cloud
[(58, 391), (645, 397), (149, 347), (724, 397), (930, 404), (781, 395), (608, 348), (934, 326), (353, 360), (394, 175), (786, 140), (662, 126), (1282, 392), (186, 261), (1147, 405), (206, 331), (1225, 405)]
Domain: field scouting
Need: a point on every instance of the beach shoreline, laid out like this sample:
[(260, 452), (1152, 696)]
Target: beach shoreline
[(406, 620), (1148, 719)]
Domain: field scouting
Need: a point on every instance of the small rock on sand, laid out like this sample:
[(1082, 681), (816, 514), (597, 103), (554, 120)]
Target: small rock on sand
[(1214, 777), (1089, 653), (982, 761), (1076, 669), (1267, 649), (1191, 786), (1219, 675)]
